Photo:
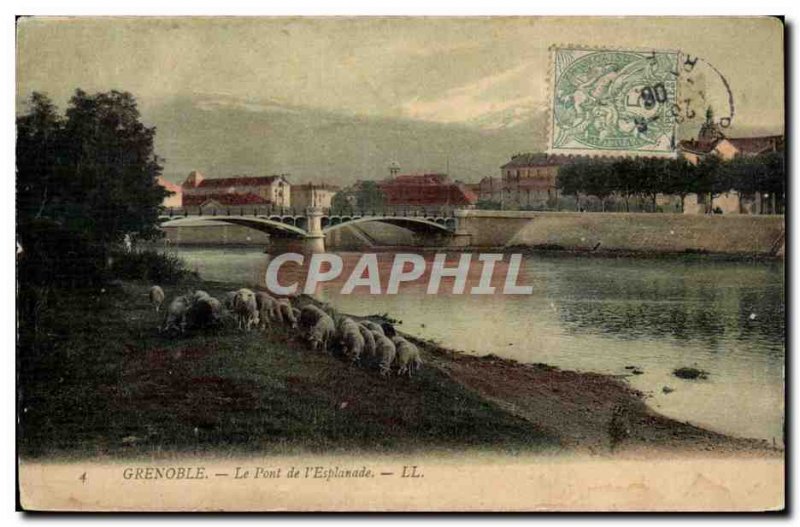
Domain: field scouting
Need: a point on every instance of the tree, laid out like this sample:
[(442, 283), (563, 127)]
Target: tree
[(570, 179), (364, 196), (626, 178), (599, 181), (708, 178), (39, 136), (679, 178), (109, 154), (85, 180)]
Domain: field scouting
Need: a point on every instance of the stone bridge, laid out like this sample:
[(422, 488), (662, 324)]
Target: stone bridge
[(312, 226)]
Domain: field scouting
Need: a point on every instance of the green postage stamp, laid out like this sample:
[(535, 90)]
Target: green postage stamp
[(613, 102)]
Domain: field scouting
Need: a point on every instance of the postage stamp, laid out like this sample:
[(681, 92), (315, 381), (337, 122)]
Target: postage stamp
[(615, 102)]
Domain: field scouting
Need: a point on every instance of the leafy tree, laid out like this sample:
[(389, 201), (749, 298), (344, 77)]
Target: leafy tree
[(84, 180), (679, 179), (365, 196), (113, 168), (570, 180), (39, 157), (599, 181), (627, 179)]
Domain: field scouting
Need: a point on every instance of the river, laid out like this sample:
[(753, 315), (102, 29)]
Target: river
[(601, 315)]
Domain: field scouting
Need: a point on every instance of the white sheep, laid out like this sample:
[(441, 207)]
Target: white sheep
[(322, 333), (268, 309), (309, 315), (349, 337), (385, 352), (227, 300), (408, 358), (199, 295), (373, 326), (157, 297), (286, 313), (245, 309), (369, 343), (175, 318)]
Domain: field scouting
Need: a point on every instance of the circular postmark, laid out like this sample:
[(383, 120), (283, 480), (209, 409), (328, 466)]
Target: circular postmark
[(704, 95), (635, 101)]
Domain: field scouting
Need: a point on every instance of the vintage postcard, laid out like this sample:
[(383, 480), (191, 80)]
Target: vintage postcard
[(400, 264)]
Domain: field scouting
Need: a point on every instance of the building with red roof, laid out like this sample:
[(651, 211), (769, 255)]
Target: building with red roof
[(197, 191), (426, 191)]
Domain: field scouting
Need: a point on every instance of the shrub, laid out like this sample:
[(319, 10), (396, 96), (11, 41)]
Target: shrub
[(149, 265)]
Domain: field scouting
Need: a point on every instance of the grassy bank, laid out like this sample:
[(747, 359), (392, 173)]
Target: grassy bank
[(97, 379), (100, 380)]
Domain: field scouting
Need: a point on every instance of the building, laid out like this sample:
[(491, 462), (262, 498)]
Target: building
[(711, 141), (198, 191), (313, 195), (729, 147), (176, 199), (527, 181), (425, 191)]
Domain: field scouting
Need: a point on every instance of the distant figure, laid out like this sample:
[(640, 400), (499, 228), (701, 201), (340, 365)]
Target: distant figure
[(128, 243)]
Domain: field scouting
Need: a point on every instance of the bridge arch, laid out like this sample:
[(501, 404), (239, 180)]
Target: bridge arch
[(418, 225), (272, 227)]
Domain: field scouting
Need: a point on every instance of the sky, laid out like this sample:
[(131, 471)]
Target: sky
[(482, 73)]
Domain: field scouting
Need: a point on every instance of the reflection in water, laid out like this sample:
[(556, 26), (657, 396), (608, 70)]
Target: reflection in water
[(595, 314)]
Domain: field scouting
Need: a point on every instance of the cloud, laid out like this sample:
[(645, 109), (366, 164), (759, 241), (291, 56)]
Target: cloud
[(494, 101)]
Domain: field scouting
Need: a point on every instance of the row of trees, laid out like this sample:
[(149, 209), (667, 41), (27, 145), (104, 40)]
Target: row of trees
[(649, 177), (363, 196), (85, 179)]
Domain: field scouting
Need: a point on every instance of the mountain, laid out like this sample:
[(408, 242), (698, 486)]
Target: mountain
[(222, 136)]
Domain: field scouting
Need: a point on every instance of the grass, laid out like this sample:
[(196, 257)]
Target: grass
[(97, 379)]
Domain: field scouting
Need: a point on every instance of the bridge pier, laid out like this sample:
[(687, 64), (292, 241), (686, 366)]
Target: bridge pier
[(461, 237), (314, 242)]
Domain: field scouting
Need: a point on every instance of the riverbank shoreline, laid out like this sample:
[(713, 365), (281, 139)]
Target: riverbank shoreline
[(547, 250), (140, 393)]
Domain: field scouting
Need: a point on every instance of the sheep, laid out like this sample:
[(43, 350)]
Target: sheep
[(350, 339), (369, 343), (156, 297), (309, 315), (322, 333), (385, 352), (175, 318), (286, 313), (204, 312), (227, 300), (388, 329), (199, 295), (408, 359), (268, 309), (245, 309), (372, 326)]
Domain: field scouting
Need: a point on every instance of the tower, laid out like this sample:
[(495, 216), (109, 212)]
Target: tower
[(394, 169), (709, 131)]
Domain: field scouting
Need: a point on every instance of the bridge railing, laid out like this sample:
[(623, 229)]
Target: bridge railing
[(289, 212)]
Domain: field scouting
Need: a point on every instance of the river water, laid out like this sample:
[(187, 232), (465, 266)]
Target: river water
[(601, 315)]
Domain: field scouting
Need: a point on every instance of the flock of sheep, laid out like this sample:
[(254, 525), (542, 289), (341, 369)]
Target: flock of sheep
[(365, 343)]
